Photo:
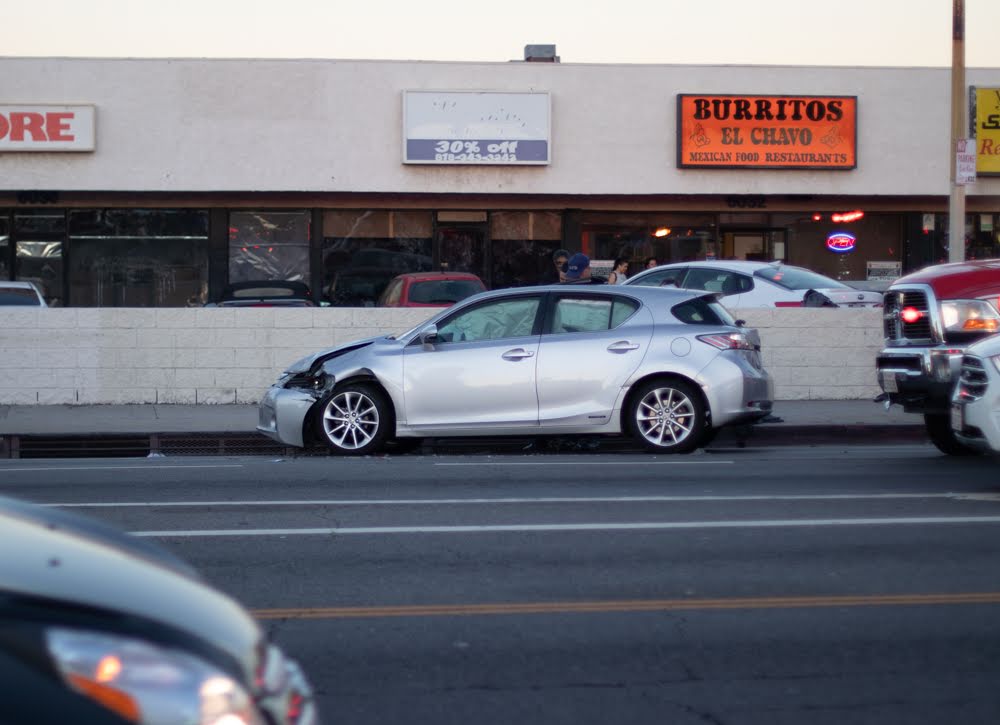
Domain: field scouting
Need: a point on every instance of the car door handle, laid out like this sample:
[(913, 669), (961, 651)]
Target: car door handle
[(518, 353), (623, 346)]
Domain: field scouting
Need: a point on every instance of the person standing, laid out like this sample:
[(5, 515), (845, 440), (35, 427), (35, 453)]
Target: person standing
[(650, 263), (555, 273), (618, 272), (578, 271)]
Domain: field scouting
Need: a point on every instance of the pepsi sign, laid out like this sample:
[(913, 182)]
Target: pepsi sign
[(841, 242)]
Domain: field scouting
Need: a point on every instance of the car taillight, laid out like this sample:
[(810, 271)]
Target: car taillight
[(732, 341)]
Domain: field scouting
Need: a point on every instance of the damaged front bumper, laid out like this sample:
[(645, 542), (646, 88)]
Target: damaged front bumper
[(283, 412)]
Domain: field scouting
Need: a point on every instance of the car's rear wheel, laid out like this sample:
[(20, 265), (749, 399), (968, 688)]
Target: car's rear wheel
[(941, 435), (355, 419), (667, 416)]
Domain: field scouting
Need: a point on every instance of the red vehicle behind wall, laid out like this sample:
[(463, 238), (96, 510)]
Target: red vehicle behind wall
[(931, 317)]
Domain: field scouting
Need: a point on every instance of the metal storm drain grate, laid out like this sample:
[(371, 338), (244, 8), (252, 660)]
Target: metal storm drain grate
[(216, 444), (105, 446)]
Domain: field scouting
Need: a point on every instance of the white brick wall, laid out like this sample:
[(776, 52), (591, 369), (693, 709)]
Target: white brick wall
[(214, 356)]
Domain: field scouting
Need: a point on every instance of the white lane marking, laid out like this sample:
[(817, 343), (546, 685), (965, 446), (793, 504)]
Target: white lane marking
[(650, 526), (581, 464), (122, 468), (538, 500)]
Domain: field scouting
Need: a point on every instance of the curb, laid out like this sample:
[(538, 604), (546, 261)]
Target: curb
[(140, 445)]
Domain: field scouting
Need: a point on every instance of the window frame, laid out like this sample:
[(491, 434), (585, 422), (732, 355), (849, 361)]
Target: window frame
[(536, 325), (554, 297)]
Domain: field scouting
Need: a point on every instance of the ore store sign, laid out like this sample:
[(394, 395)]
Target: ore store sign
[(46, 128), (766, 132)]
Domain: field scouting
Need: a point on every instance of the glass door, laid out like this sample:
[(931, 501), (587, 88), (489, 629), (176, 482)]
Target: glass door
[(462, 248)]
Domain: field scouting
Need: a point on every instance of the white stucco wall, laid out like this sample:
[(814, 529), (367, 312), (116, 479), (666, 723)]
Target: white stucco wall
[(294, 125), (214, 355)]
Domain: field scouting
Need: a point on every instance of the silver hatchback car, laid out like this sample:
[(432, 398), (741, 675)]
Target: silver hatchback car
[(666, 366)]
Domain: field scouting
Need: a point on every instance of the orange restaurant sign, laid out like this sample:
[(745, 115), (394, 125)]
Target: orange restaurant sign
[(766, 132)]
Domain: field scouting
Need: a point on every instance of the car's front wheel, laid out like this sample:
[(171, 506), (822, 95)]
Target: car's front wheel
[(355, 419), (667, 416), (943, 437)]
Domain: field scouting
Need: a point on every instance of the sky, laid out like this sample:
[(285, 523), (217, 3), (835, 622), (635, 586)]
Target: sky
[(766, 32)]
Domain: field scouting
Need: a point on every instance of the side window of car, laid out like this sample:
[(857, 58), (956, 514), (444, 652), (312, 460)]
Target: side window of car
[(492, 321), (581, 314), (717, 280), (663, 278)]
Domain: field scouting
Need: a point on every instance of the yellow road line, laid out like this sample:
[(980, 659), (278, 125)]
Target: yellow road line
[(639, 605)]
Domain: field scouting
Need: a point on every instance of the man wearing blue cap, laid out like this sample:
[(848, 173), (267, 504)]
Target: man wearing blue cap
[(578, 271)]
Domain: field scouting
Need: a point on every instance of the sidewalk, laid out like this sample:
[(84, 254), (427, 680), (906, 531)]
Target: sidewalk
[(34, 430)]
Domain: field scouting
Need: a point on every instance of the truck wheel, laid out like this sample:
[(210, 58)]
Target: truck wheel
[(941, 435)]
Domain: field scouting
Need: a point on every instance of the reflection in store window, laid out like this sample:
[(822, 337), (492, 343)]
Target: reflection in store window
[(42, 263), (138, 258), (636, 237), (4, 249), (522, 246), (269, 246), (363, 251)]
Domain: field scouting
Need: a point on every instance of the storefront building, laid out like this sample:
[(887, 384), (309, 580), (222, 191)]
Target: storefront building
[(155, 183)]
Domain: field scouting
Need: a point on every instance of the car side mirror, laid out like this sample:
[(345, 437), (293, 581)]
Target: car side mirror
[(741, 323), (429, 335)]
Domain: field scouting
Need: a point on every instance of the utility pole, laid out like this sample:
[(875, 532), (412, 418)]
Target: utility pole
[(959, 102)]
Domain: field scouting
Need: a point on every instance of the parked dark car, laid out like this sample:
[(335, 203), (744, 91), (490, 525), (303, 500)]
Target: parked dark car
[(103, 628), (270, 293)]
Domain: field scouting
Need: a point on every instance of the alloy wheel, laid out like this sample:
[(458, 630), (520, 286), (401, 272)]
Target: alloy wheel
[(665, 417), (351, 420)]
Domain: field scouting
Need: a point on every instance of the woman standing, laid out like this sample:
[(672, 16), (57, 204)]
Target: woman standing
[(618, 273)]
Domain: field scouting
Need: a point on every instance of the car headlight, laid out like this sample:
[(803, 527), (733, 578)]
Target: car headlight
[(969, 316), (146, 683)]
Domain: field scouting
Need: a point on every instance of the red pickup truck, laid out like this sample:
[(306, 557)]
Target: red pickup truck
[(930, 317)]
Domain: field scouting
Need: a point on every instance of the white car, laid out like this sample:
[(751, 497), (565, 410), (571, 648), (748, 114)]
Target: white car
[(975, 408), (758, 284), (20, 294)]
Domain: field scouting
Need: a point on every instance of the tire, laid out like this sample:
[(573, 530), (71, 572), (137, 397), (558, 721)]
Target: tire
[(355, 420), (667, 416), (943, 437)]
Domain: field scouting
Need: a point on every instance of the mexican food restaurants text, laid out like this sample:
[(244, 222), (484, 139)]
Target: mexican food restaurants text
[(766, 132)]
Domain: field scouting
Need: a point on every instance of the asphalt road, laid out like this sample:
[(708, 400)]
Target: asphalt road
[(793, 585)]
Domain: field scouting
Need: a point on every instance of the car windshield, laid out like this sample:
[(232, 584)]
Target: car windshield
[(797, 278), (19, 296), (443, 290)]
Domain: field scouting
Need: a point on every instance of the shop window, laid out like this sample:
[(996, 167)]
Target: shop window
[(269, 245), (983, 241), (41, 263), (637, 237), (364, 250), (4, 248), (137, 258), (522, 246)]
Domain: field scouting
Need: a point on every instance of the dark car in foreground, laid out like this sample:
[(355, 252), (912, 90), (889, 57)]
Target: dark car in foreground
[(668, 367), (100, 627)]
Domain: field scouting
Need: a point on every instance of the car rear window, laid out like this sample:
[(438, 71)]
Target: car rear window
[(702, 311), (796, 278), (19, 297), (443, 291)]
